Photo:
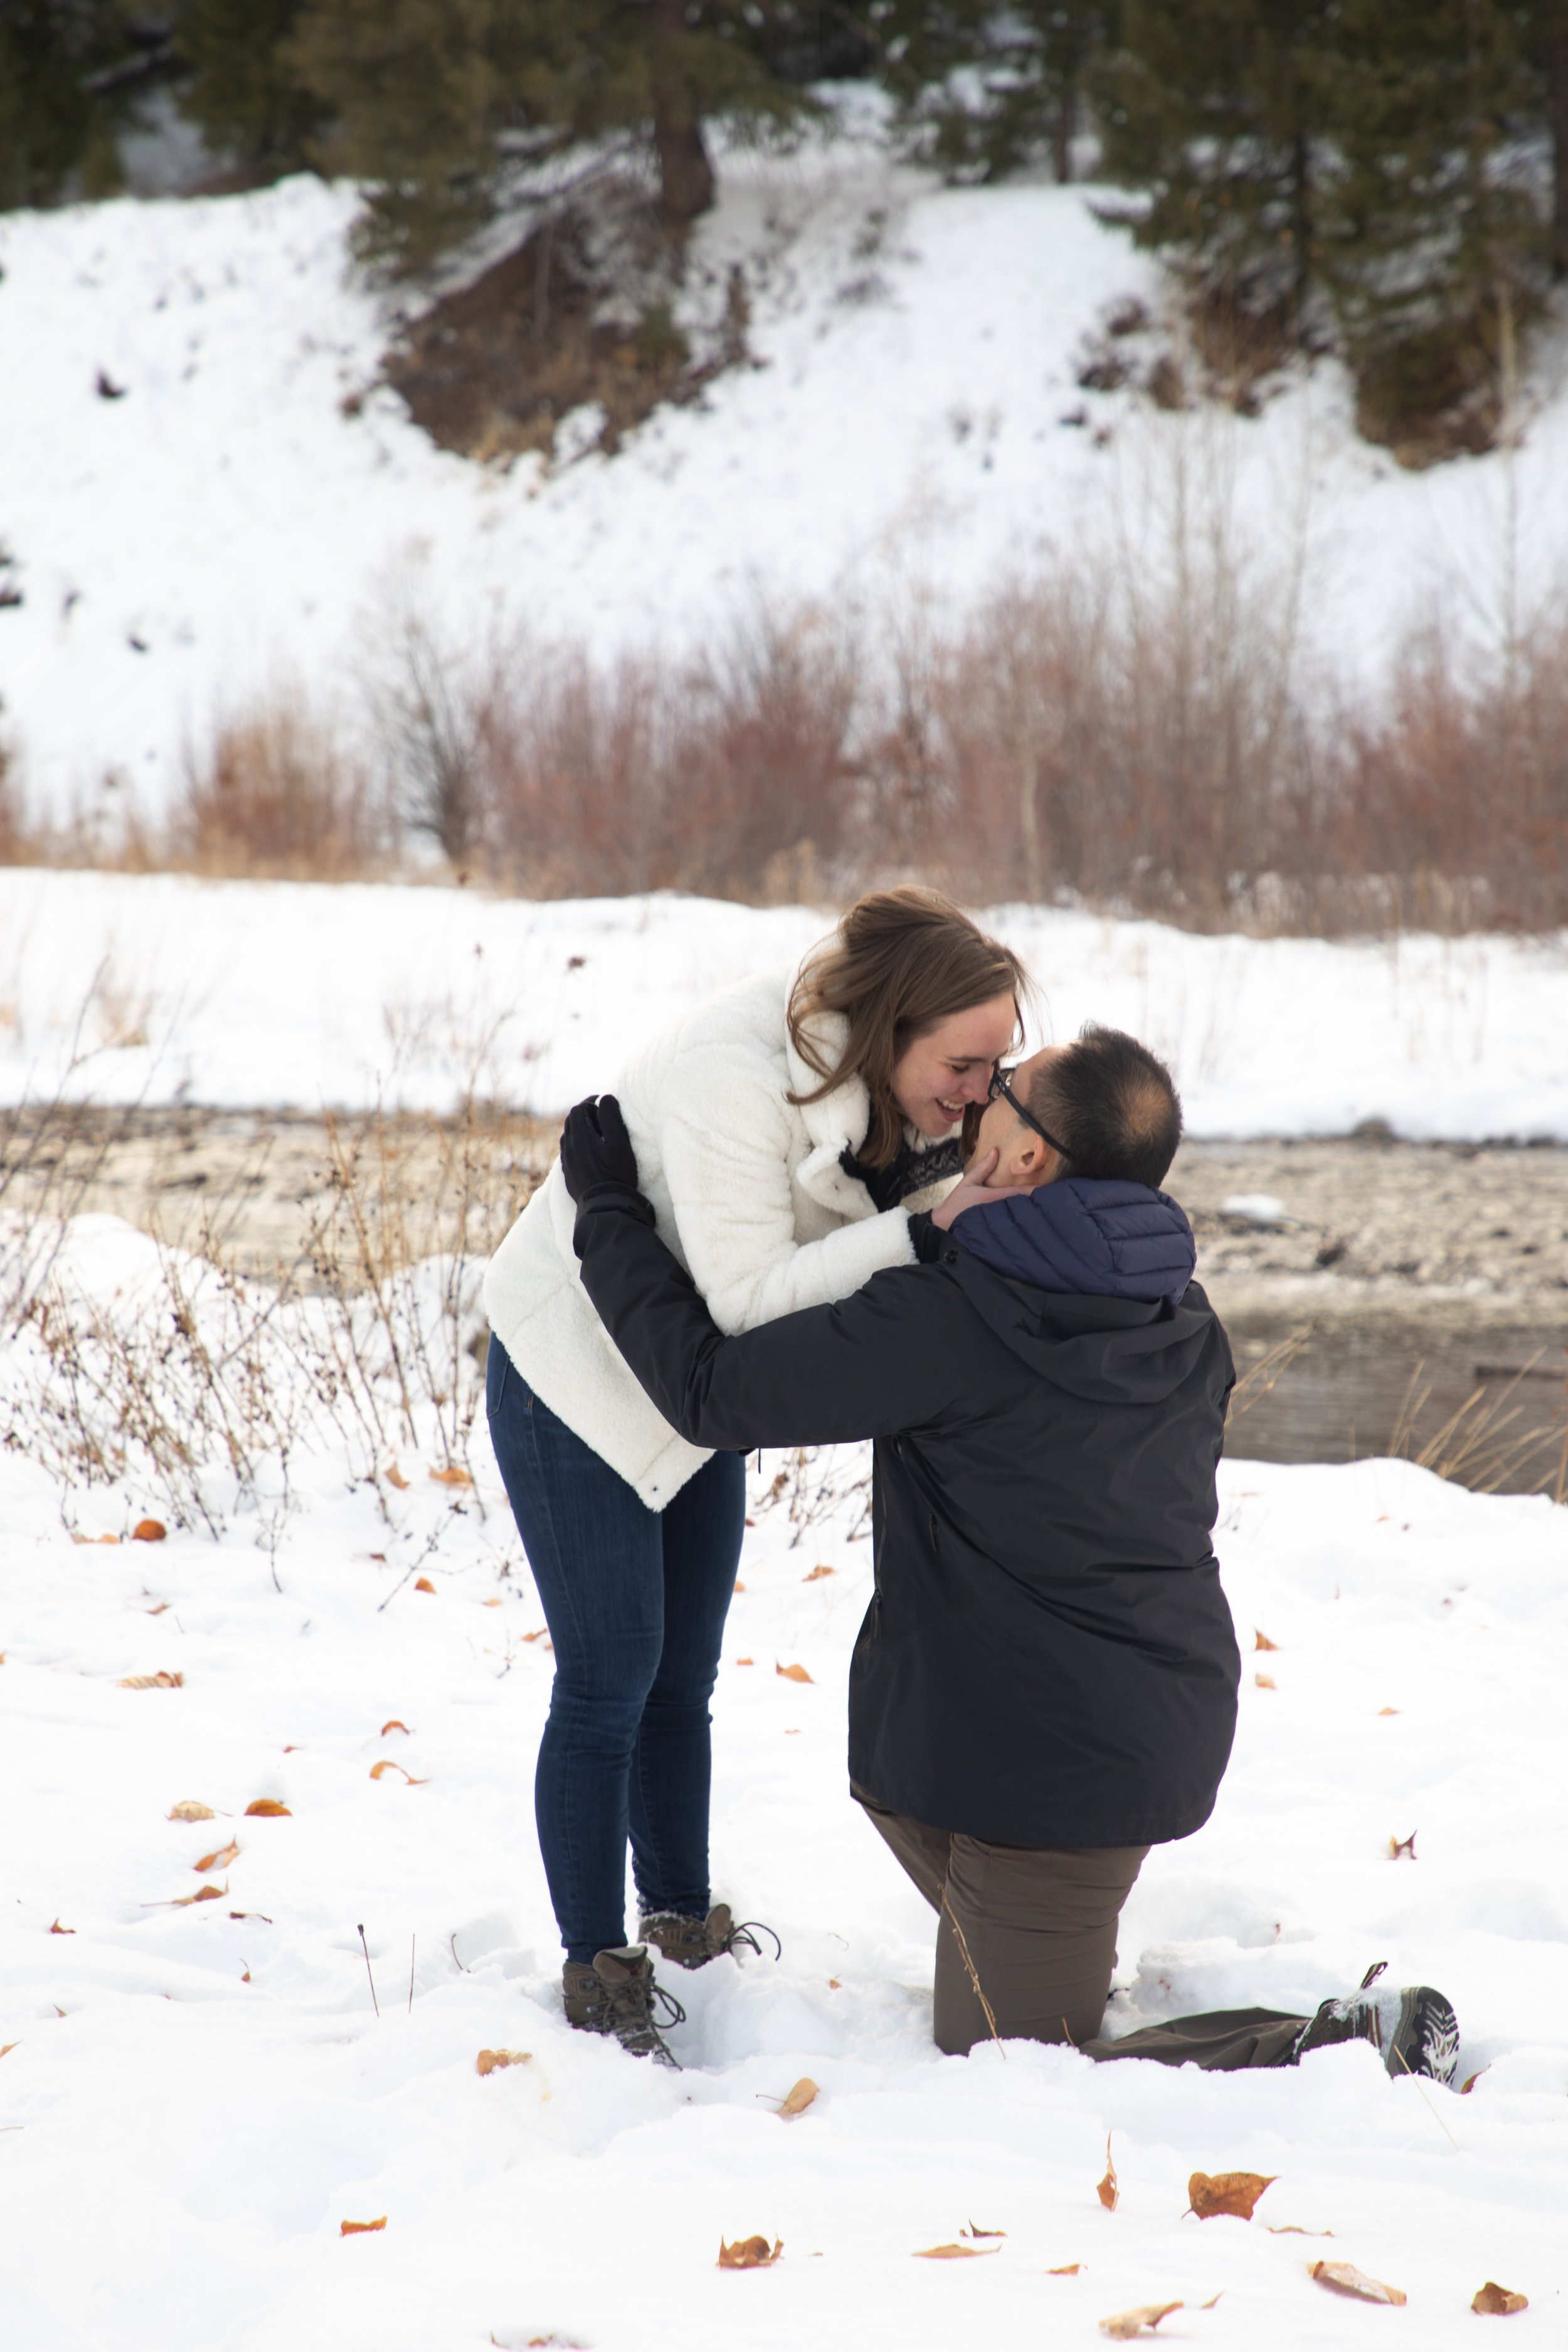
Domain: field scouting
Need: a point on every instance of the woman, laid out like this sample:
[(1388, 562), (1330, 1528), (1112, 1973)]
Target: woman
[(785, 1131)]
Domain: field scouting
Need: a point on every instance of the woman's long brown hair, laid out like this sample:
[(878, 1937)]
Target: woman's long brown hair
[(901, 962)]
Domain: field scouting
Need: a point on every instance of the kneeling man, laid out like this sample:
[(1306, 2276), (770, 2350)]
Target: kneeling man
[(1045, 1683)]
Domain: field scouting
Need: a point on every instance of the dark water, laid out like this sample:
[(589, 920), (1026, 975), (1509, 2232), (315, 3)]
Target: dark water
[(1343, 1396)]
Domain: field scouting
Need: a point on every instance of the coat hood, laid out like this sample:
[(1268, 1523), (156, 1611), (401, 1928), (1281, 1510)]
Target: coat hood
[(1091, 1283), (1087, 1236)]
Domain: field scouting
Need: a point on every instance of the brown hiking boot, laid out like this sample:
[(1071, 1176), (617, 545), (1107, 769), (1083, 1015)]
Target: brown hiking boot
[(616, 1996), (691, 1943)]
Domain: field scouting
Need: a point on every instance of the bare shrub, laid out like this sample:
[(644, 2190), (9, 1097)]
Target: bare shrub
[(1457, 792), (1129, 734), (277, 797), (430, 709), (204, 1387), (18, 845), (728, 772)]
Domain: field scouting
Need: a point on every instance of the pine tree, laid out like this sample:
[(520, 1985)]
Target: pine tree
[(435, 99), (1543, 42), (1215, 110), (240, 85), (983, 90), (56, 117), (1434, 251)]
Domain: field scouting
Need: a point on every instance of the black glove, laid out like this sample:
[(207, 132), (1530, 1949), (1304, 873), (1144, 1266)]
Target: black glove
[(597, 1153)]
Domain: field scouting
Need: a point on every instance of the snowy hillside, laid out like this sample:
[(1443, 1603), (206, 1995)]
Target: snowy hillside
[(246, 994), (210, 522)]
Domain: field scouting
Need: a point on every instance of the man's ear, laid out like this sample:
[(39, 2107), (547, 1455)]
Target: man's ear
[(1027, 1162)]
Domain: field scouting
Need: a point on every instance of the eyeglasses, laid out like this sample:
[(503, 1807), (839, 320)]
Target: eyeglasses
[(1000, 1088)]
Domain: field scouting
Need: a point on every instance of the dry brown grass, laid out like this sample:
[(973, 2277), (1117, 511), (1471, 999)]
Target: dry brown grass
[(1080, 738), (1479, 1444), (275, 797)]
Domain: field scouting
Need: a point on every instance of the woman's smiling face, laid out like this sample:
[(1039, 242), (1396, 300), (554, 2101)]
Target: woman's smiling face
[(938, 1074)]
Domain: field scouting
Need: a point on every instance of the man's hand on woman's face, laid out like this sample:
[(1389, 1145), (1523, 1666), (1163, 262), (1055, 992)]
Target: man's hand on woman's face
[(596, 1154)]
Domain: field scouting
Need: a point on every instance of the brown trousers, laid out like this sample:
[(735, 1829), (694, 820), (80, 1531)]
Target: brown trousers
[(1030, 1932)]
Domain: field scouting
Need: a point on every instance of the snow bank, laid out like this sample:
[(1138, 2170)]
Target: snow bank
[(270, 993), (223, 523), (198, 2095)]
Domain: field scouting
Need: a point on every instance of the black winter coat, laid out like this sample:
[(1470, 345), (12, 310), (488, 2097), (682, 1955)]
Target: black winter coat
[(1048, 1659)]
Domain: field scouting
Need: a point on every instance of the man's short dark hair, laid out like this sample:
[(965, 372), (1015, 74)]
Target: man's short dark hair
[(1114, 1106)]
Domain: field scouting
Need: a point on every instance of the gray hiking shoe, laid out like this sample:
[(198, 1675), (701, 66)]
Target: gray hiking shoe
[(690, 1943), (616, 1996), (1414, 2028)]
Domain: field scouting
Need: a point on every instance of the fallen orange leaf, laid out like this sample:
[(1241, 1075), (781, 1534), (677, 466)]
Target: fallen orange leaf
[(57, 1930), (973, 2233), (387, 1765), (1345, 2279), (489, 2060), (451, 1476), (792, 1673), (357, 2229), (800, 2098), (1388, 1710), (493, 1603), (160, 1680), (1494, 2302), (1261, 1642), (219, 1858), (833, 1985), (78, 1538), (191, 1809), (201, 1894), (1469, 2084), (1066, 2270), (815, 1574), (4, 2046), (1265, 1682), (1294, 2229), (745, 1662), (1108, 2192), (423, 1585), (392, 1723), (953, 2253), (749, 2254), (1125, 2324), (394, 1478), (148, 1531), (738, 1586), (1209, 2194), (161, 1610), (265, 1808)]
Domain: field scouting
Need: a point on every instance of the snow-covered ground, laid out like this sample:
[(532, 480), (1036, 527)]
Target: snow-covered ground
[(195, 2096), (279, 994), (223, 527)]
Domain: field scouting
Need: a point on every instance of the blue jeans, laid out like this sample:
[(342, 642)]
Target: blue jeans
[(636, 1602)]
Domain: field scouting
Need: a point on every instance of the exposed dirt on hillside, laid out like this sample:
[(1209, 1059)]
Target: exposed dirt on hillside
[(575, 320)]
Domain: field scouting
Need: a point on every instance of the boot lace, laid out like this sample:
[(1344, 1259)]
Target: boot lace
[(744, 1934)]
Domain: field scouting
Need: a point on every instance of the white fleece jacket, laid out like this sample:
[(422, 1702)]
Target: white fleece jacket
[(749, 1194)]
